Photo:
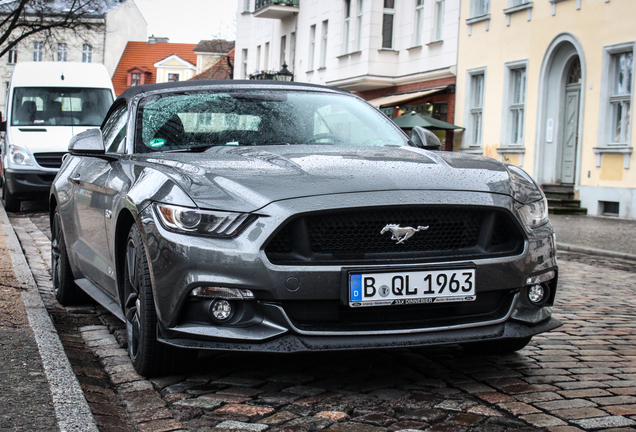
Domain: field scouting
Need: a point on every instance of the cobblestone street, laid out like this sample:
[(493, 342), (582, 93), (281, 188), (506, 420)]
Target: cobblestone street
[(579, 377)]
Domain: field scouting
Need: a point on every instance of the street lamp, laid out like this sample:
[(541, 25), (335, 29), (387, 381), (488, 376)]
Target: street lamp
[(284, 74)]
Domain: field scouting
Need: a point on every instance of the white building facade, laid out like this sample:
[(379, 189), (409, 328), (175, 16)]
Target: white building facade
[(120, 22), (376, 48)]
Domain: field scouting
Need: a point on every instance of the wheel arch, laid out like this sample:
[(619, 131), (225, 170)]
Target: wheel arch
[(124, 222)]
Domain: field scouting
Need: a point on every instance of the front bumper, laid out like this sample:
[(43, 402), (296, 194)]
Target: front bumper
[(178, 263), (28, 184)]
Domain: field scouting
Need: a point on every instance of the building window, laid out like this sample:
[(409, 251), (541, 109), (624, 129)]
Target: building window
[(246, 6), (87, 53), (388, 19), (475, 108), (62, 50), (419, 22), (347, 26), (323, 48), (38, 51), (360, 12), (244, 63), (13, 55), (283, 49), (438, 20), (620, 96), (512, 3), (173, 77), (266, 57), (135, 79), (258, 58), (516, 104), (312, 46), (479, 7)]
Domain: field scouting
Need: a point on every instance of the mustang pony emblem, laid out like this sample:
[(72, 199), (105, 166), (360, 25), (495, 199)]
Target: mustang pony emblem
[(402, 234)]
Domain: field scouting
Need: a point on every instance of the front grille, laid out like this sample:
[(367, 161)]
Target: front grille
[(354, 236), (49, 160), (331, 316)]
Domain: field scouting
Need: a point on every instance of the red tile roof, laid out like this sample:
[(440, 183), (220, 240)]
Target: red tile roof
[(222, 69), (144, 54)]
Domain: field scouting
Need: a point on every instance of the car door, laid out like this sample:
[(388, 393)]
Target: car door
[(93, 200)]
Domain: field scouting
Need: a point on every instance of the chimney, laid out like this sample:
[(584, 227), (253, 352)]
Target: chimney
[(158, 39)]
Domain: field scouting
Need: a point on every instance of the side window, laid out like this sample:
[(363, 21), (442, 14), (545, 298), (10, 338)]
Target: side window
[(114, 131)]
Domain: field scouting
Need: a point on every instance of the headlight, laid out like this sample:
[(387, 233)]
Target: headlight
[(202, 222), (19, 156), (535, 214)]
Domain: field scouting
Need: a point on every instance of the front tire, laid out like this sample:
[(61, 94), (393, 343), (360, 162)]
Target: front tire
[(66, 292), (10, 203), (149, 356)]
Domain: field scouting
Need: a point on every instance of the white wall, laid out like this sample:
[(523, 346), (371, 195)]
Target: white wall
[(373, 66), (124, 23)]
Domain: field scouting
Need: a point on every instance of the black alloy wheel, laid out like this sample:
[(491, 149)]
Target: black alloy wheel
[(64, 287), (149, 356)]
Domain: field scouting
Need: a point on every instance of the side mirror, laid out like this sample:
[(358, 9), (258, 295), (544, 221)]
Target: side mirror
[(3, 126), (87, 143), (424, 138)]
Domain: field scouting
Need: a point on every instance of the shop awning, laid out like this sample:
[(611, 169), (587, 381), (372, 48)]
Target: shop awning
[(404, 97), (412, 119)]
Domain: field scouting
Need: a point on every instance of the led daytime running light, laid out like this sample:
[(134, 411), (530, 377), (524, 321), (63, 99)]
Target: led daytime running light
[(202, 222)]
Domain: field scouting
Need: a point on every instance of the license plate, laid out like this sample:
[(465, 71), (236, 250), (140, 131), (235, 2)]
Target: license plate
[(411, 287)]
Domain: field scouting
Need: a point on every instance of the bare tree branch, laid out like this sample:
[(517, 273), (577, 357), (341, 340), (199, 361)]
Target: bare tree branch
[(20, 19)]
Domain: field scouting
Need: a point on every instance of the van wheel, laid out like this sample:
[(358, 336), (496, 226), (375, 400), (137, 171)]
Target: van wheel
[(8, 201)]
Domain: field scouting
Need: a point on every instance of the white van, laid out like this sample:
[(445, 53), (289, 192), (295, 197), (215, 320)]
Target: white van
[(47, 104)]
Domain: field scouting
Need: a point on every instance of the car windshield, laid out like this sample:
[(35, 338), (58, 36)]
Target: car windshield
[(198, 120), (60, 106)]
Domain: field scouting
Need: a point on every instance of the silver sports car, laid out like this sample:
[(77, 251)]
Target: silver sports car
[(281, 217)]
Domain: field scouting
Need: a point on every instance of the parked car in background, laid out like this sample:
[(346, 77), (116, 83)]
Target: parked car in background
[(47, 104), (282, 217)]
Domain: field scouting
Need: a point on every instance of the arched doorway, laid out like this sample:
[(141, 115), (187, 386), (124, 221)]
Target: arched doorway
[(561, 104)]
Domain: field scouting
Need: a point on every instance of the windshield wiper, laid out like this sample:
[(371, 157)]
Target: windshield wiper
[(195, 149)]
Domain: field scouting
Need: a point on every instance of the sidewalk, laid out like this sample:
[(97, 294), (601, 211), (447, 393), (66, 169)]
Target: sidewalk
[(38, 388), (612, 237)]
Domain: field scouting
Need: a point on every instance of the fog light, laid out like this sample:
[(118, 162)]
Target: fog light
[(536, 294), (221, 310)]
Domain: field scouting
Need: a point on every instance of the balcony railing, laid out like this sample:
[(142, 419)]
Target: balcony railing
[(276, 9), (263, 3)]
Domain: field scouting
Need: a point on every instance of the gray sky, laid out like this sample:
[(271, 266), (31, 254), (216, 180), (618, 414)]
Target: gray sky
[(189, 21)]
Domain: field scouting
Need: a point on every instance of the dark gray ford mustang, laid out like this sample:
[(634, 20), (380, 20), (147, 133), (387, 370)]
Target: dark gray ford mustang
[(283, 217)]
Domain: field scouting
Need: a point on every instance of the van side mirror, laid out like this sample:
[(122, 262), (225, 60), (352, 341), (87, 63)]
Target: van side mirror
[(87, 143), (3, 126), (424, 138)]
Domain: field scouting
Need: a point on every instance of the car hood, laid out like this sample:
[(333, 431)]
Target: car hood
[(248, 178)]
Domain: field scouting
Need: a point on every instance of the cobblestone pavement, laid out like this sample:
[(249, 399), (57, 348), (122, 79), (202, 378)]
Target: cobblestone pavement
[(580, 377)]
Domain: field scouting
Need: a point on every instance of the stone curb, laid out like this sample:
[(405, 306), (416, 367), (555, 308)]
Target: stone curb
[(593, 251), (71, 409)]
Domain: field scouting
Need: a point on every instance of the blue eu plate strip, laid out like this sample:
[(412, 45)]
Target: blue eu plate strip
[(355, 290)]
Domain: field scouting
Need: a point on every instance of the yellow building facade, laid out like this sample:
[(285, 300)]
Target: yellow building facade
[(548, 85)]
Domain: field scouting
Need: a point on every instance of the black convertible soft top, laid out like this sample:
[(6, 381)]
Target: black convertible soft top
[(211, 84)]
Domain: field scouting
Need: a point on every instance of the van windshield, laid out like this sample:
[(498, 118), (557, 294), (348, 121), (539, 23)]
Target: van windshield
[(60, 106)]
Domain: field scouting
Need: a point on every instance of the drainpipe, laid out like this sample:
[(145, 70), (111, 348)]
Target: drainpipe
[(295, 43)]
